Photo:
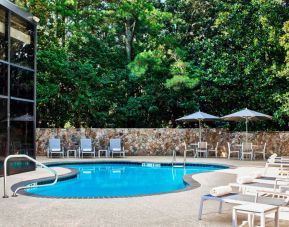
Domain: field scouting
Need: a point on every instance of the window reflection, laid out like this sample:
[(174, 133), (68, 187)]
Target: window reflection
[(21, 128), (22, 83), (3, 79), (3, 34), (3, 131), (22, 42)]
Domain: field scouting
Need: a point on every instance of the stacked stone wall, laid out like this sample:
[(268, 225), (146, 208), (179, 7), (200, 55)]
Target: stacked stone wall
[(160, 141)]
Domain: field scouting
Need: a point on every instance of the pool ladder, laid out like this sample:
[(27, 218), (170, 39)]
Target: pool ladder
[(31, 185), (174, 164)]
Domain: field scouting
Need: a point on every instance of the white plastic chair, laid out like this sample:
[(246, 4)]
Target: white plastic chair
[(230, 151), (262, 152), (115, 147), (215, 150), (187, 150), (247, 149), (86, 147), (202, 148), (55, 148)]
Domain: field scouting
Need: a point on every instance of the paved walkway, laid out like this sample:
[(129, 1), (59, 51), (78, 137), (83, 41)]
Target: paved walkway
[(174, 209)]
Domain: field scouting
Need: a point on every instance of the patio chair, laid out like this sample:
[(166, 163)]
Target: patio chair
[(230, 151), (247, 149), (262, 152), (271, 180), (215, 150), (262, 197), (278, 185), (86, 147), (54, 147), (116, 147), (281, 162), (188, 150), (202, 148)]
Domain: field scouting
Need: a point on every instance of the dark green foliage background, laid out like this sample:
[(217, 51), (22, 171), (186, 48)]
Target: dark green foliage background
[(144, 63)]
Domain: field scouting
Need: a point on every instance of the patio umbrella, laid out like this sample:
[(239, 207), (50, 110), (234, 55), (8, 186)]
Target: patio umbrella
[(199, 117), (247, 115), (26, 117)]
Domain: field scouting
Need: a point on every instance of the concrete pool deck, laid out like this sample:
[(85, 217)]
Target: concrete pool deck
[(173, 209)]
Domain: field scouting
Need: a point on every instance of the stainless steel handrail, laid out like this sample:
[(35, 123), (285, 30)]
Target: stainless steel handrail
[(28, 186)]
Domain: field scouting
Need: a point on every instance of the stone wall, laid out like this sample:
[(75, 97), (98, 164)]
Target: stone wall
[(160, 141)]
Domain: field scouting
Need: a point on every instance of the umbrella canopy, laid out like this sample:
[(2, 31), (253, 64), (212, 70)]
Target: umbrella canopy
[(25, 117), (199, 117), (247, 115)]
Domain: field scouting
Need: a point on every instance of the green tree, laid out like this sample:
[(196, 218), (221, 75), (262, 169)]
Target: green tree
[(136, 63)]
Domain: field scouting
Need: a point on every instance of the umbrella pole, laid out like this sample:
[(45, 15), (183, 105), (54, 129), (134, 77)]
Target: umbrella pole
[(246, 130), (200, 131)]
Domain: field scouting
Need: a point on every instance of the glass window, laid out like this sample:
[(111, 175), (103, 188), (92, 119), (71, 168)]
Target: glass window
[(22, 42), (21, 128), (3, 132), (21, 135), (22, 83), (3, 79), (3, 34)]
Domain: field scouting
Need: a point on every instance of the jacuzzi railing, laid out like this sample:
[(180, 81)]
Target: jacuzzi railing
[(28, 186)]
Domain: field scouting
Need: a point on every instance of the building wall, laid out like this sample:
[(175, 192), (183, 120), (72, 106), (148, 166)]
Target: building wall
[(160, 141), (17, 85)]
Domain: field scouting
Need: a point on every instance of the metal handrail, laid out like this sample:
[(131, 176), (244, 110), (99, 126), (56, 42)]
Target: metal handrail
[(28, 186)]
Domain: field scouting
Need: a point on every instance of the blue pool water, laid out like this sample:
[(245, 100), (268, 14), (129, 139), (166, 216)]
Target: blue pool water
[(121, 179)]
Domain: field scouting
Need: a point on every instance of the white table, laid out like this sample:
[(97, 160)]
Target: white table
[(103, 150), (252, 209), (73, 151)]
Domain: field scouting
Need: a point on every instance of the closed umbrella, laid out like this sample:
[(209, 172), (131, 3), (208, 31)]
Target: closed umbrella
[(199, 117), (247, 115)]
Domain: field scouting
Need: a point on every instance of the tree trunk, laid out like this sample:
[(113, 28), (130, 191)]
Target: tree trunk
[(130, 29)]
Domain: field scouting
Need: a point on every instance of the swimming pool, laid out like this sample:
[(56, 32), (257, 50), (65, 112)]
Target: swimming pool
[(121, 180)]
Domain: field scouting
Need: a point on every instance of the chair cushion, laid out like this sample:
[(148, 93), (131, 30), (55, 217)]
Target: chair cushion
[(55, 149), (116, 149), (86, 149)]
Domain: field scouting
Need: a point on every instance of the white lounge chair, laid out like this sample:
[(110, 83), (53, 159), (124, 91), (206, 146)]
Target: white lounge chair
[(55, 147), (278, 185), (86, 147), (116, 147), (262, 197), (230, 151), (281, 162)]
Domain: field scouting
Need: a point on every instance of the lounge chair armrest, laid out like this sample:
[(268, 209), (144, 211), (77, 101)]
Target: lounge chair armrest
[(282, 180), (259, 192)]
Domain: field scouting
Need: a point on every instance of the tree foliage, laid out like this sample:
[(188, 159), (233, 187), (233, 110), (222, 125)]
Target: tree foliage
[(144, 63)]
